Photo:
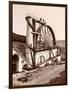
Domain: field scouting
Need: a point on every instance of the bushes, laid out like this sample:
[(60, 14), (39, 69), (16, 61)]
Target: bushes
[(62, 52)]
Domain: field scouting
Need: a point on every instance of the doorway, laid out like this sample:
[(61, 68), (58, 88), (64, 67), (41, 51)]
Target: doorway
[(15, 59)]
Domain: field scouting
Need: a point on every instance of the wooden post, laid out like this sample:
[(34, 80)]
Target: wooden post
[(34, 42)]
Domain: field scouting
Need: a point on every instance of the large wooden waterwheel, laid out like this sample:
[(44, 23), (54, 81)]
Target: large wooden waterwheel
[(45, 38)]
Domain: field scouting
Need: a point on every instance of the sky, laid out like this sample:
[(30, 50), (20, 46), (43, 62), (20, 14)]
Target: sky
[(54, 16)]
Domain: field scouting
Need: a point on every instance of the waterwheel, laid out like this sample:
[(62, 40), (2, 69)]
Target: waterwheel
[(46, 38)]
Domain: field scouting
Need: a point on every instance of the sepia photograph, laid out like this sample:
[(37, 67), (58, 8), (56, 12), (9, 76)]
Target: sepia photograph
[(37, 44)]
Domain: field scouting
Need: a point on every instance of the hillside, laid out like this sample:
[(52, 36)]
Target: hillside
[(60, 43), (19, 38)]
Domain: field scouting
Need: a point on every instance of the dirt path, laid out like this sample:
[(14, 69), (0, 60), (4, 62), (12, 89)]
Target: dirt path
[(40, 76)]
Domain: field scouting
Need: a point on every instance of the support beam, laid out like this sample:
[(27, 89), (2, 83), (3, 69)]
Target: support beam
[(34, 42)]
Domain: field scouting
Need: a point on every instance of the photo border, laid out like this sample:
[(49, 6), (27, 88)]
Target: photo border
[(10, 39)]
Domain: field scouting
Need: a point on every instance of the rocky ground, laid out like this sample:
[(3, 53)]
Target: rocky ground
[(47, 75)]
